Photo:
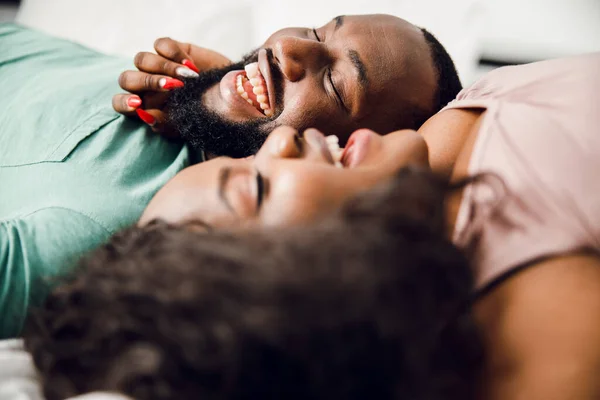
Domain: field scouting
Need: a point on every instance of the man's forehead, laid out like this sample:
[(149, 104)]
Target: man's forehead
[(396, 57), (379, 46), (370, 21)]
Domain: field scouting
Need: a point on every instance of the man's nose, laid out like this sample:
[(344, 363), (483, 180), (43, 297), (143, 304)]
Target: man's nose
[(297, 56)]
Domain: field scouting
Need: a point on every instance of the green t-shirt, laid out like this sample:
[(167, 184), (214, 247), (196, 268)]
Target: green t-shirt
[(72, 170)]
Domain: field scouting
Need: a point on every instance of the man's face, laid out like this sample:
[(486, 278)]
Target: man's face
[(372, 71)]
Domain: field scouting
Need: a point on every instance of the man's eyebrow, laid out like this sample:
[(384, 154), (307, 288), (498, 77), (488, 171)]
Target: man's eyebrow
[(354, 56), (339, 21), (360, 67), (224, 175)]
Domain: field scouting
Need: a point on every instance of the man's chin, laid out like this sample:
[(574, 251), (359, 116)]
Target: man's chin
[(194, 113)]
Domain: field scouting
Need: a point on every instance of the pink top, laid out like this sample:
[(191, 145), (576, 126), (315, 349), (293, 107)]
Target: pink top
[(541, 136)]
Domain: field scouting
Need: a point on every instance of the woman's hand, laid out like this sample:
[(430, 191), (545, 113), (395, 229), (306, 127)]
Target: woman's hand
[(158, 74)]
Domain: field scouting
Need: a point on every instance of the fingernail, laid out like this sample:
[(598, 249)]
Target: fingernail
[(170, 83), (134, 102), (186, 72), (144, 116), (190, 65)]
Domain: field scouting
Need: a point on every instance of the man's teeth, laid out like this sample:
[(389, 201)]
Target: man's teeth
[(240, 88), (252, 70), (259, 88)]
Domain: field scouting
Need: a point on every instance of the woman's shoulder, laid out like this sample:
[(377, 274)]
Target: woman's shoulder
[(544, 324), (540, 152), (538, 82)]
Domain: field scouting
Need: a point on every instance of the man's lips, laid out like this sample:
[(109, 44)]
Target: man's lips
[(265, 69), (357, 148)]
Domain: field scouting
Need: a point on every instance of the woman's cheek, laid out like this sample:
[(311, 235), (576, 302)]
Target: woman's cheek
[(295, 198)]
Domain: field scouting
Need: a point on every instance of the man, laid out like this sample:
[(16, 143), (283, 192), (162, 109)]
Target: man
[(341, 77), (73, 172)]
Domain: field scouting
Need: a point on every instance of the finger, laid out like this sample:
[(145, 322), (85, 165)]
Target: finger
[(126, 103), (152, 117), (155, 64), (174, 51), (122, 104), (137, 82), (148, 116), (205, 59), (157, 120), (152, 100)]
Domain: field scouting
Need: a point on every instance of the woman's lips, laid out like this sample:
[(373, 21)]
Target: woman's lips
[(237, 108), (357, 148)]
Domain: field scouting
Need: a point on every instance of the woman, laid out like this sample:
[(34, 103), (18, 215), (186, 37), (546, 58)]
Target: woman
[(530, 222), (163, 313)]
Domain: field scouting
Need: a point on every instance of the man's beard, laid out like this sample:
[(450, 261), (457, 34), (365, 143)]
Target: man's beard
[(206, 130)]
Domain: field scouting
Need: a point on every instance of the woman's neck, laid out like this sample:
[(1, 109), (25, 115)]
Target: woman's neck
[(450, 137), (446, 134)]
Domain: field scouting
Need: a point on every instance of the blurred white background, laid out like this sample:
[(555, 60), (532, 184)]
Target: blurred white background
[(480, 34)]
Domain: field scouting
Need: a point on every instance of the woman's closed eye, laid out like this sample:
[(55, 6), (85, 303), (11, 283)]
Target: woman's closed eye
[(329, 78), (242, 190), (314, 30), (260, 190)]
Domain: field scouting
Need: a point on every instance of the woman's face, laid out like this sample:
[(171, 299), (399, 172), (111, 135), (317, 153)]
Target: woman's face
[(289, 181)]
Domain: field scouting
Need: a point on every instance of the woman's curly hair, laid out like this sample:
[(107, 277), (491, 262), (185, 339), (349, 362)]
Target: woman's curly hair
[(371, 303)]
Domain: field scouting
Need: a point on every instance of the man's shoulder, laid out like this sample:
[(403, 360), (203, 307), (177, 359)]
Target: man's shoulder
[(49, 235), (107, 169), (35, 249)]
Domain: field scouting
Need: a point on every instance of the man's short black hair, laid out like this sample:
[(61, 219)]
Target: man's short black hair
[(448, 82)]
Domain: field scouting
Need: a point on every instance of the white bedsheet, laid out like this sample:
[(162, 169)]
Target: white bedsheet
[(17, 376), (18, 380)]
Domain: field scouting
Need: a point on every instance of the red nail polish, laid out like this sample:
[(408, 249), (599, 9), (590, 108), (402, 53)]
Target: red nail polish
[(190, 65), (171, 83), (134, 102), (144, 116)]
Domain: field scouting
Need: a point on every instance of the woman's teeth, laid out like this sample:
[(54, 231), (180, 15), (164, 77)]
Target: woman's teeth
[(258, 87), (334, 148)]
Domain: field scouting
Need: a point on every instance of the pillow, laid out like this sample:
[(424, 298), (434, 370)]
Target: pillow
[(234, 27), (127, 27), (541, 29)]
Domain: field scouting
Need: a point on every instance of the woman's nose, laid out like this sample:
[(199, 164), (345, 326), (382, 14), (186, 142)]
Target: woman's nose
[(283, 142), (297, 56)]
